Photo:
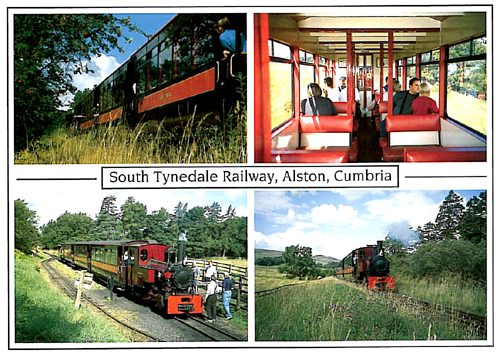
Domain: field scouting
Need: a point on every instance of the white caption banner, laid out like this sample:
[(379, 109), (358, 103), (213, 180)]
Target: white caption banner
[(258, 177)]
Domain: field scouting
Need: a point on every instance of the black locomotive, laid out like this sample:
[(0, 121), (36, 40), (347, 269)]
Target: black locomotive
[(369, 266)]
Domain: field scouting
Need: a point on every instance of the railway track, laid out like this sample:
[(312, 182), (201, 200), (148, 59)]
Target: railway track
[(67, 286), (208, 332)]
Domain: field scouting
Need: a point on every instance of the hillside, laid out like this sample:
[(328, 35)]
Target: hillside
[(261, 253)]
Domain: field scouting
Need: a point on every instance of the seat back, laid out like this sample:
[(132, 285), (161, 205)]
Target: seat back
[(325, 131), (413, 130)]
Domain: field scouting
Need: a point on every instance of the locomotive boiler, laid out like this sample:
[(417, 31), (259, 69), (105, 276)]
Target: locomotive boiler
[(153, 271), (368, 265)]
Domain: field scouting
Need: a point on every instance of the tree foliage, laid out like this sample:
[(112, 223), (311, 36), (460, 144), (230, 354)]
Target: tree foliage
[(25, 230), (298, 262), (49, 49), (226, 236), (453, 245)]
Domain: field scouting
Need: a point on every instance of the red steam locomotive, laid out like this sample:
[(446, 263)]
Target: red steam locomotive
[(154, 271), (369, 266)]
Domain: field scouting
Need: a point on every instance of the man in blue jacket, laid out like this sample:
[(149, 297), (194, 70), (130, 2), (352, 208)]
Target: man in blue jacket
[(227, 286)]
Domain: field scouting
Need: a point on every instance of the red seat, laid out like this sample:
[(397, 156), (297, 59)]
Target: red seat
[(320, 156), (393, 147), (444, 154)]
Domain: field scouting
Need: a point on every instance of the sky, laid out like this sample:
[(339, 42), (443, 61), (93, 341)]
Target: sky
[(50, 199), (333, 223), (104, 65)]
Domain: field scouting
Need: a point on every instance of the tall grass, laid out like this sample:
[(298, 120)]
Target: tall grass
[(196, 142), (451, 292), (330, 310), (45, 315)]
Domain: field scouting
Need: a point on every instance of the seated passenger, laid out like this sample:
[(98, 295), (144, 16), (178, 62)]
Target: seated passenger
[(424, 104), (396, 87), (402, 101), (315, 104)]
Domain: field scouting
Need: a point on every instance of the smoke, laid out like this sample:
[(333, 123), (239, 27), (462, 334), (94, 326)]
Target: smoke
[(401, 231)]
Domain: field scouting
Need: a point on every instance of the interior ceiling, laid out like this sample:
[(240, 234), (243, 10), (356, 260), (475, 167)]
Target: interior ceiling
[(328, 31)]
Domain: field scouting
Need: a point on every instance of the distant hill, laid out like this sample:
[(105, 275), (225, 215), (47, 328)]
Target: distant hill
[(261, 253)]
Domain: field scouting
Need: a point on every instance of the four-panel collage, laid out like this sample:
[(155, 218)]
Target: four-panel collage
[(234, 178)]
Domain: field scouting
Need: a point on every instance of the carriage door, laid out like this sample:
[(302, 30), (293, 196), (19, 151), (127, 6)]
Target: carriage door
[(365, 78), (121, 266)]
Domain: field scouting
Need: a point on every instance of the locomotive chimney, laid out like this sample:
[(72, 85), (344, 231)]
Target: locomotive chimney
[(379, 246), (181, 250)]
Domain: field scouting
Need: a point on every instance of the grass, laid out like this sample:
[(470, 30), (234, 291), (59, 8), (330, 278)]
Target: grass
[(447, 292), (267, 278), (195, 142), (45, 315), (331, 310)]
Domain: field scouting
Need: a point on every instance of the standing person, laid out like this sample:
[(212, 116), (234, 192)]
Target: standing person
[(211, 299), (424, 104), (341, 92), (227, 287), (229, 38), (196, 275), (211, 270), (315, 104), (329, 91)]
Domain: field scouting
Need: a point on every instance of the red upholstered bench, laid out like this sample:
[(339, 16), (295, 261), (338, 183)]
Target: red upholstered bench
[(409, 130), (315, 139), (445, 154), (328, 131), (382, 109), (341, 108), (319, 156)]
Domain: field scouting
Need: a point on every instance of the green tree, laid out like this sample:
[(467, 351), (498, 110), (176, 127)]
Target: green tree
[(134, 219), (449, 216), (68, 227), (298, 261), (49, 49), (25, 227), (108, 223), (473, 224), (157, 226)]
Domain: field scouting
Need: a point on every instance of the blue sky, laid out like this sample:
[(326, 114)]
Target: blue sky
[(50, 199), (104, 65), (333, 223)]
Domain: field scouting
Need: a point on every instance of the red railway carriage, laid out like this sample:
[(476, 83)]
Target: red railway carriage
[(366, 55), (368, 265), (181, 71), (154, 271)]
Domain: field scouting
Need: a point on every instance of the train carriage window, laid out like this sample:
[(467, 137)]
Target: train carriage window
[(466, 99), (144, 255), (280, 77), (205, 40), (166, 61)]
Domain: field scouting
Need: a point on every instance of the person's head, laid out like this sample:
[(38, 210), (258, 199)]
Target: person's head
[(222, 25), (342, 80), (396, 86), (329, 82), (210, 262), (425, 89), (414, 86), (313, 90), (226, 274)]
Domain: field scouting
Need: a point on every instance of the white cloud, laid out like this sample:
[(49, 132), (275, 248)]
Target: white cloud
[(412, 206), (343, 215), (101, 66)]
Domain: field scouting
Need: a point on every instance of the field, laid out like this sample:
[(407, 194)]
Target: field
[(119, 144), (56, 319), (333, 310)]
